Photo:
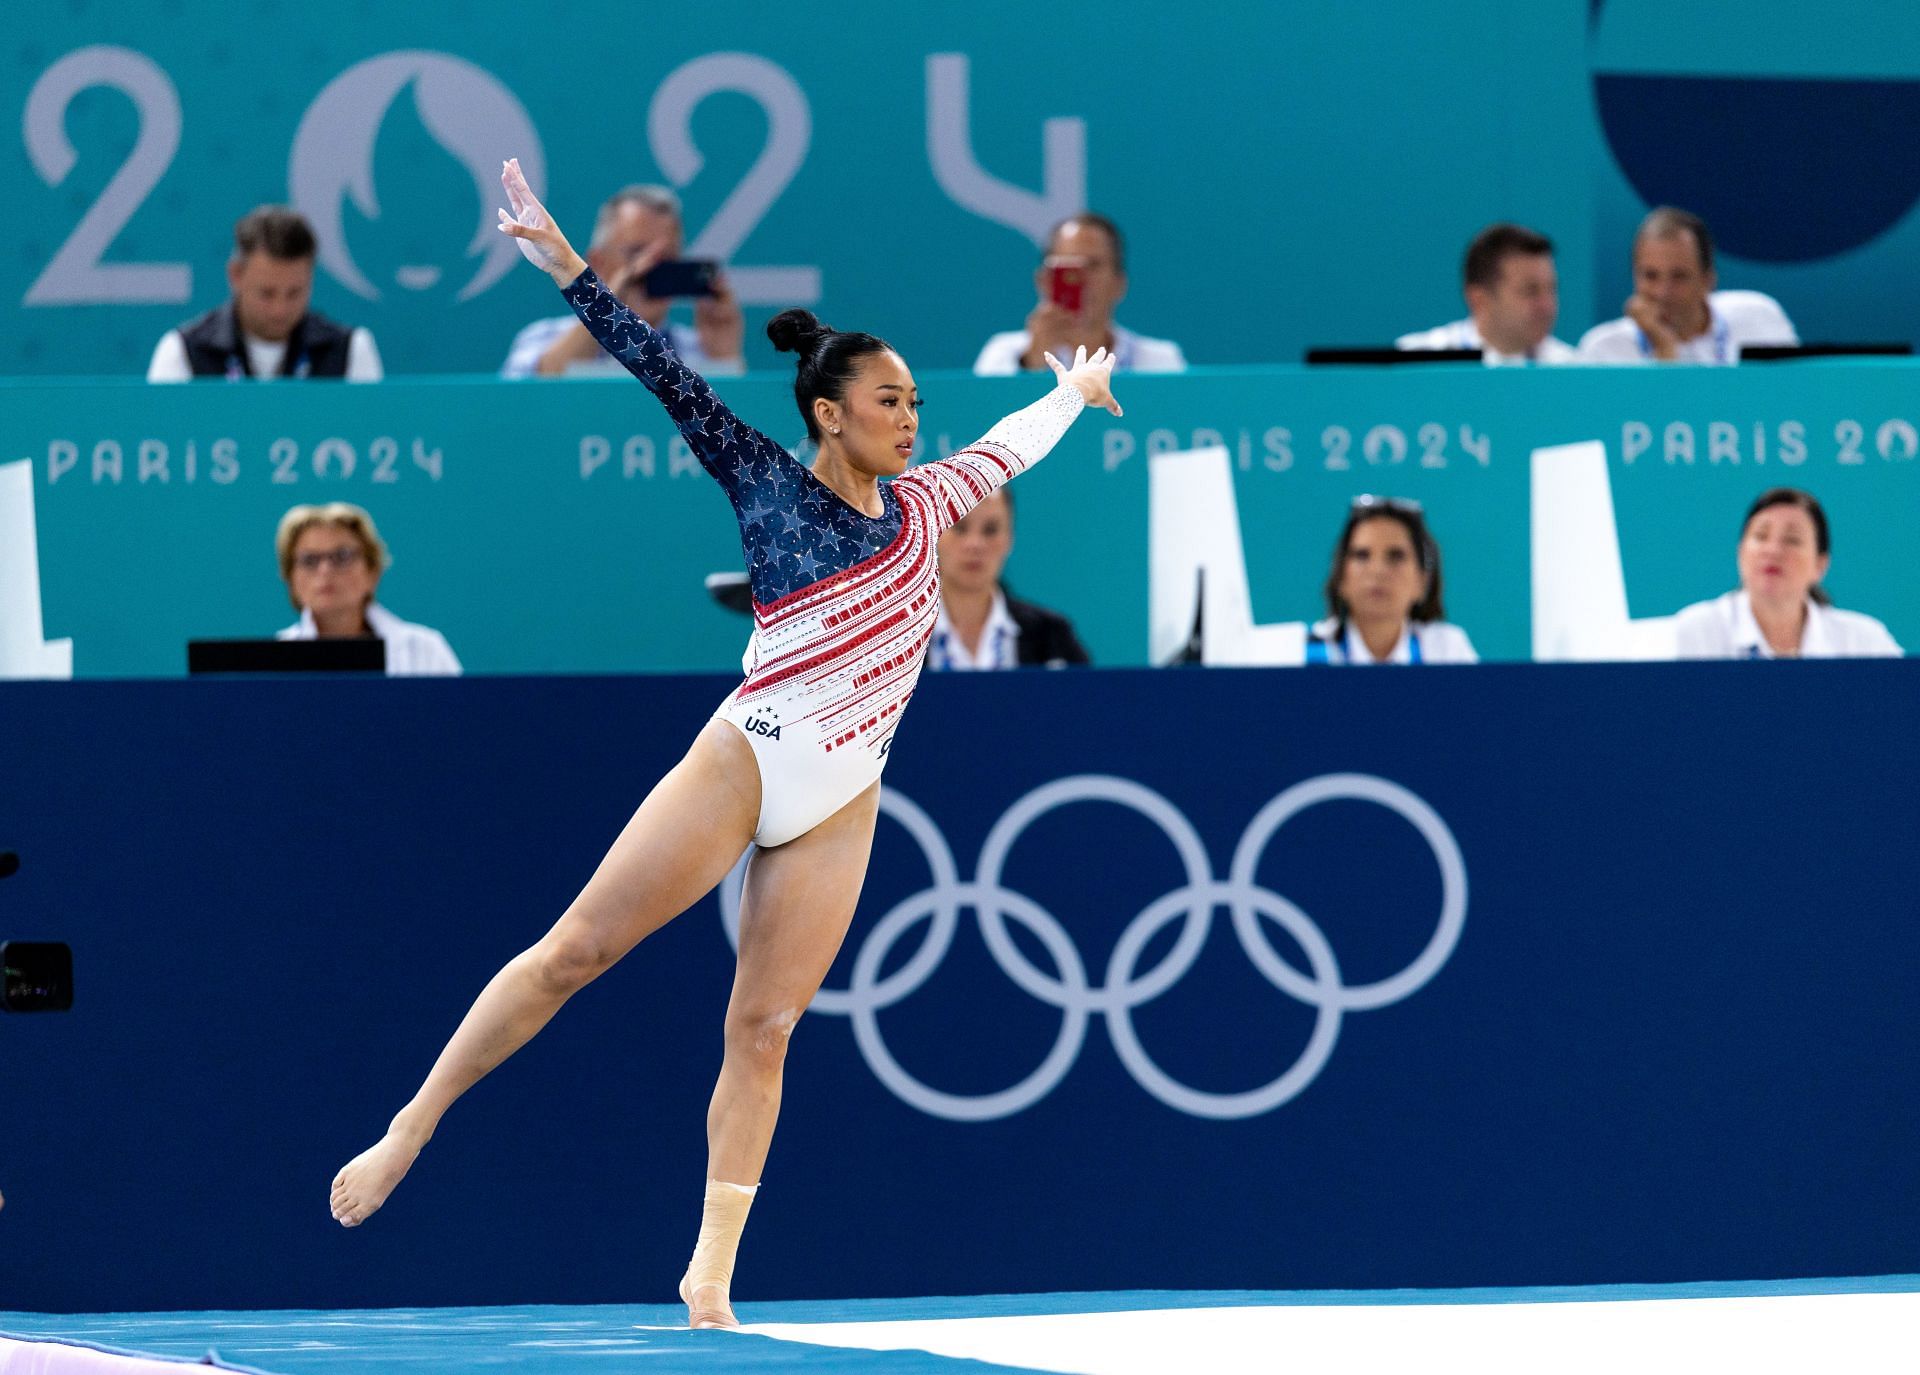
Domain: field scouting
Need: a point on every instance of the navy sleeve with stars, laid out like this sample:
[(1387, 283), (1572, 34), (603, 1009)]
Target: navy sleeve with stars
[(725, 445), (794, 531)]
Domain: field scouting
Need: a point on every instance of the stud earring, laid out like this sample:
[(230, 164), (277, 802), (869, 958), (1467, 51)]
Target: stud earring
[(836, 429)]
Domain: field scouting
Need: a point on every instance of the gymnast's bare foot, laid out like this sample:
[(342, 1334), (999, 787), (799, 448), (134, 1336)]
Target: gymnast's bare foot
[(365, 1181), (713, 1309)]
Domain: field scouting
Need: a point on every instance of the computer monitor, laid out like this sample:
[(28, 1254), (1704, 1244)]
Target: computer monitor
[(1775, 353), (731, 590), (365, 654), (1393, 356)]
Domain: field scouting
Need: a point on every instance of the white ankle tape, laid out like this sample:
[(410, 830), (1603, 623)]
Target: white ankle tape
[(721, 1222)]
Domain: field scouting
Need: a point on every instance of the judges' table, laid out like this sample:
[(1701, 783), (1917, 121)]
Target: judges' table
[(1512, 975), (564, 526)]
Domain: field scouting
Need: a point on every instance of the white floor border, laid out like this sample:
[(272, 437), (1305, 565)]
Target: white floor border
[(1803, 1334)]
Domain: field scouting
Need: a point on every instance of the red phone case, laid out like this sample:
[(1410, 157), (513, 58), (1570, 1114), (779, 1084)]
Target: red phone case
[(1063, 285)]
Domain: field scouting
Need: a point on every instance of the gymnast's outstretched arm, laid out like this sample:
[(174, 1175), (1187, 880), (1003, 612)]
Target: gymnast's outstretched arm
[(958, 483), (725, 445)]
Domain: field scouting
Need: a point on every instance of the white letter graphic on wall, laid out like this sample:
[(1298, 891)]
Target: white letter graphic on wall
[(950, 148), (23, 653), (1579, 583), (1197, 568), (78, 273), (789, 135)]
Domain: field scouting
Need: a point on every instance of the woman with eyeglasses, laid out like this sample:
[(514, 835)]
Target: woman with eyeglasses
[(331, 559), (1383, 593), (1780, 611)]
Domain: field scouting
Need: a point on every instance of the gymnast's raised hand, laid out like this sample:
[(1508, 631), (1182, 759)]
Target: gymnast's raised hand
[(1091, 377), (540, 238)]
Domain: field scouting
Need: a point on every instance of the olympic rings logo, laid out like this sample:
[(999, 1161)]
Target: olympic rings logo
[(1125, 988)]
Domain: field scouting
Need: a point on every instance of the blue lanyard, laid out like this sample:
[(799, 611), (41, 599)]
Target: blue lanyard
[(238, 371), (940, 655), (1326, 651), (1722, 340)]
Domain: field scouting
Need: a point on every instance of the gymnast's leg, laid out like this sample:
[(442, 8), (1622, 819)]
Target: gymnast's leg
[(680, 843), (794, 913)]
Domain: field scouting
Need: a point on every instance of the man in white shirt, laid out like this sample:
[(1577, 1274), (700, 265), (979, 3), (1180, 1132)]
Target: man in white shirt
[(1513, 300), (265, 328), (1675, 314), (1080, 281), (637, 229)]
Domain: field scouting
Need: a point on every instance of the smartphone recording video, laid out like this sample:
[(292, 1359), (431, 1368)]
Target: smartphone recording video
[(1064, 285), (681, 277)]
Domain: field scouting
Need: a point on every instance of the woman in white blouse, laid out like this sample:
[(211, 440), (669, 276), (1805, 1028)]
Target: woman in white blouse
[(331, 558), (1780, 610), (1383, 593)]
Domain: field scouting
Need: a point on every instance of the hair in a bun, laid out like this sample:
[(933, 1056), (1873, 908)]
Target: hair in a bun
[(796, 331), (828, 359)]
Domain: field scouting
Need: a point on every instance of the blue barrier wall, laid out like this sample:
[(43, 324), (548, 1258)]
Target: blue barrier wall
[(1662, 1033)]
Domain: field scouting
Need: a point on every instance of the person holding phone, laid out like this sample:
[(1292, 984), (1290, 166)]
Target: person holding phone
[(635, 250), (1080, 282), (846, 593)]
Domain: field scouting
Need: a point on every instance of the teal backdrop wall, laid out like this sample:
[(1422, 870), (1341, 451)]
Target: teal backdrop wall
[(1287, 173), (1793, 128), (563, 527), (1292, 173)]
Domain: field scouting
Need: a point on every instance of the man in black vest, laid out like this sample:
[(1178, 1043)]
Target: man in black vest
[(265, 328)]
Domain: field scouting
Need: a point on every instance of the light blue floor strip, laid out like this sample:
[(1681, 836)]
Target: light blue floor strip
[(583, 1340), (598, 1340)]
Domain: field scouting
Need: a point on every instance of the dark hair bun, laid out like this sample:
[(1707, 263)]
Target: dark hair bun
[(796, 331)]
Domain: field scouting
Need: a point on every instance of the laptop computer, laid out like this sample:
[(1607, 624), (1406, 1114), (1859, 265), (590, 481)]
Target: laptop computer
[(362, 655), (1774, 353), (1393, 356)]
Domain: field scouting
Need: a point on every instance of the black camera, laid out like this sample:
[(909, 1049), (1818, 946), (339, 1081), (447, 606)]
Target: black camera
[(35, 976)]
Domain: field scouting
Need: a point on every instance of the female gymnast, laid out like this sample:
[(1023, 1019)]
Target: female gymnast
[(845, 594)]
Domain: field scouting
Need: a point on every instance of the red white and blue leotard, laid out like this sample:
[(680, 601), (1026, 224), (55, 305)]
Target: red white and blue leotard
[(843, 602)]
